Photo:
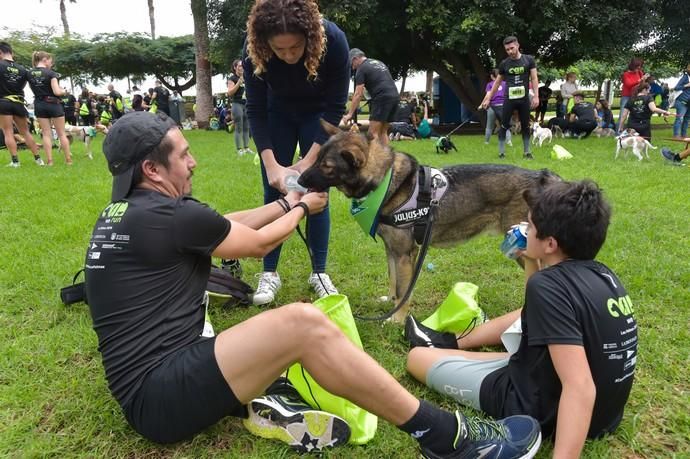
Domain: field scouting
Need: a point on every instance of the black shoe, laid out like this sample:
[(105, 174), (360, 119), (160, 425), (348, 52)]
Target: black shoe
[(421, 336), (528, 156), (232, 267), (510, 438), (669, 155), (501, 156), (281, 414)]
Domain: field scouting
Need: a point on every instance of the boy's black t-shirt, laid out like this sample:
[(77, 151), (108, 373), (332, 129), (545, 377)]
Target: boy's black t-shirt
[(577, 302), (39, 80), (376, 77), (162, 96), (584, 111), (516, 73), (147, 266), (13, 78), (639, 109)]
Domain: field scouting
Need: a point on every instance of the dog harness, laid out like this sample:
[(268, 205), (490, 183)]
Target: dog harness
[(431, 186)]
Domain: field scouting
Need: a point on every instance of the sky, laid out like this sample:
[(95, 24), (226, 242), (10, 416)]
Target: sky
[(91, 17)]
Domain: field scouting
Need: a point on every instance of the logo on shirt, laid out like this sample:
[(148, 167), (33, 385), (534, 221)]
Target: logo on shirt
[(621, 306), (114, 212), (516, 70)]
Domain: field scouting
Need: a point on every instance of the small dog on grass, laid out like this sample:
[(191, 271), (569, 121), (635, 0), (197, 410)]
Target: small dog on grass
[(631, 141), (540, 134)]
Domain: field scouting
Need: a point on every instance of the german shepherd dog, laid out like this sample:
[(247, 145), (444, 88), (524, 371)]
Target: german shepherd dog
[(479, 198)]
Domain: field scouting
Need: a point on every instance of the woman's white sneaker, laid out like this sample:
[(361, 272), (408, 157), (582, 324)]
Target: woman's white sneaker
[(269, 284), (322, 284)]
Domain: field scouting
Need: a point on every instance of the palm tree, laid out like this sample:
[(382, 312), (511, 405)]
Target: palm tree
[(63, 17), (204, 98), (152, 20)]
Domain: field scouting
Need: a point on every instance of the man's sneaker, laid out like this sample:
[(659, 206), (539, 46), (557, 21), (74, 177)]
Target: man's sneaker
[(528, 156), (281, 414), (421, 336), (322, 284), (232, 267), (269, 284), (510, 438), (501, 156), (40, 162), (669, 155), (13, 164)]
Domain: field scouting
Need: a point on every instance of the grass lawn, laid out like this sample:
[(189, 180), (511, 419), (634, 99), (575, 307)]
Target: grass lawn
[(54, 399)]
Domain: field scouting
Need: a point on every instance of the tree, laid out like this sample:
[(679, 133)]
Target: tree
[(204, 96), (152, 20), (63, 17)]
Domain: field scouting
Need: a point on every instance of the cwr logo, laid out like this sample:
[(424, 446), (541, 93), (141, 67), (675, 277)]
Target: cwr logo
[(516, 70), (115, 209), (621, 306)]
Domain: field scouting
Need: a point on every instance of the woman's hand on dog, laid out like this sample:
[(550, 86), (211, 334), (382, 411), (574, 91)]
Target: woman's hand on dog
[(316, 202)]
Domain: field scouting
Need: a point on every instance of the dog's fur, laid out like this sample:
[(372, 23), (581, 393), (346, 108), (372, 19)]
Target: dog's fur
[(540, 134), (633, 142), (479, 198), (604, 132)]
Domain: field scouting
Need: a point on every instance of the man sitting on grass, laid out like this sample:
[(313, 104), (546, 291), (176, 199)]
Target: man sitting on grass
[(574, 367), (147, 267)]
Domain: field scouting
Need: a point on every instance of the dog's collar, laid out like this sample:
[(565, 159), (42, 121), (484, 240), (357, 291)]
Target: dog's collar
[(367, 210)]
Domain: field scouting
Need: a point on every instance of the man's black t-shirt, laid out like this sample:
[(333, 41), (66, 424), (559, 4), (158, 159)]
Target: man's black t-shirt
[(639, 109), (516, 73), (239, 94), (404, 113), (13, 78), (374, 75), (39, 80), (147, 266), (162, 97), (68, 104), (577, 302), (584, 111)]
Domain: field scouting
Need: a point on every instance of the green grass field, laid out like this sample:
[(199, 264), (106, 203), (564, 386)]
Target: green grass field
[(54, 399)]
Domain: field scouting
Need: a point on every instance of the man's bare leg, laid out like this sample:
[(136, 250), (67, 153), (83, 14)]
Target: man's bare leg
[(379, 131)]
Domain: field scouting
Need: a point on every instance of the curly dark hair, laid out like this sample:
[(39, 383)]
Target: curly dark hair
[(273, 17)]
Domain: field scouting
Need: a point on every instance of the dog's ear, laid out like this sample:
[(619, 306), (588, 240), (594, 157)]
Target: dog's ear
[(329, 128), (354, 158)]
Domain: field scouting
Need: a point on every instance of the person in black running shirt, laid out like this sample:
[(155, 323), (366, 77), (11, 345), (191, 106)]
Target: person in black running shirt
[(376, 78), (47, 104), (13, 78), (161, 97), (638, 111), (146, 270), (574, 364), (582, 120), (116, 101), (69, 105), (517, 70)]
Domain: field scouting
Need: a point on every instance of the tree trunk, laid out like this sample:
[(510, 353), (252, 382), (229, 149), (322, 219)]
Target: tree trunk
[(402, 84), (429, 81), (63, 16), (152, 20), (204, 97)]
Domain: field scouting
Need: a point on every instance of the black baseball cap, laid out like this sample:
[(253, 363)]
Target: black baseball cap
[(130, 139)]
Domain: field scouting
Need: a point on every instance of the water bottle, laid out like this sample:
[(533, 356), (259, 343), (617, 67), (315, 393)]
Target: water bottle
[(292, 185), (515, 240)]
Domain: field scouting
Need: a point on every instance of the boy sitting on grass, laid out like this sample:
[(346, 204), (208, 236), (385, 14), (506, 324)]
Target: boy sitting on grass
[(574, 367)]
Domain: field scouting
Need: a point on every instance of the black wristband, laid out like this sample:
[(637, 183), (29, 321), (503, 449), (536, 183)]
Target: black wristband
[(304, 207), (282, 202)]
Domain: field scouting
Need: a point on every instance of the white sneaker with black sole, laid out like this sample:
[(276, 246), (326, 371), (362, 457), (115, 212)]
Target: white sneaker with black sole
[(282, 415), (269, 284), (322, 284)]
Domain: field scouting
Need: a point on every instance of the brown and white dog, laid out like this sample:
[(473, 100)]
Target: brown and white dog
[(631, 141)]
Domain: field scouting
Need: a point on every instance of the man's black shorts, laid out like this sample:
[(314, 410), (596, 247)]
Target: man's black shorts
[(384, 110), (183, 395), (48, 110), (7, 107)]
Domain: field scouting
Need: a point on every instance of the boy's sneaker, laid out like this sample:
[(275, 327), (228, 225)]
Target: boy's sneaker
[(510, 438), (232, 267), (669, 155), (269, 284), (322, 284), (13, 164), (421, 336), (281, 414)]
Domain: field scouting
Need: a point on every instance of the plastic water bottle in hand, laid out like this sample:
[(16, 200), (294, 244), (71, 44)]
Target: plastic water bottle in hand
[(292, 185)]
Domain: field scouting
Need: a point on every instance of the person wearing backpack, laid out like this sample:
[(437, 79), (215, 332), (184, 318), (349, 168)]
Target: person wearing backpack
[(117, 104)]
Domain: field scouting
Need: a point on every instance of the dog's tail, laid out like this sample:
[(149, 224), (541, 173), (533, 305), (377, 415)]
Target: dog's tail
[(649, 144)]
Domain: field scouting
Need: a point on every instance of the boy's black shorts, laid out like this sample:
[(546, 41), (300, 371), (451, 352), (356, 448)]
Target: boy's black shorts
[(185, 394), (48, 110), (7, 107)]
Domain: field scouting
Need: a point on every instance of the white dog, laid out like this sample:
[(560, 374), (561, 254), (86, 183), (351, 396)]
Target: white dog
[(540, 134), (84, 134), (630, 140)]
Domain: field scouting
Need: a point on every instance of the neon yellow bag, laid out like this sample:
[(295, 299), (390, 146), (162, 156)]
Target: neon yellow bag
[(558, 152), (459, 312), (362, 423)]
